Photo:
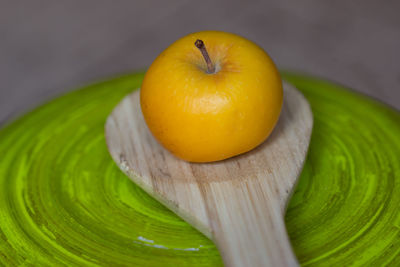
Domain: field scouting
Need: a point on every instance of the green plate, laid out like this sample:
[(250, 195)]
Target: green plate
[(63, 201)]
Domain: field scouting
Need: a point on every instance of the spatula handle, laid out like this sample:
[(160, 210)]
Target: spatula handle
[(247, 225)]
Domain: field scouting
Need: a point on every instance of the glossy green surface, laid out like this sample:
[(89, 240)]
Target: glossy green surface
[(63, 202)]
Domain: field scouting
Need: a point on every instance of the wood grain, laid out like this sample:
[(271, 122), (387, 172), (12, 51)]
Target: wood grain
[(239, 202)]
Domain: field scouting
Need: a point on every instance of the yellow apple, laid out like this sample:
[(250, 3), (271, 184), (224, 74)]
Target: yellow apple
[(211, 95)]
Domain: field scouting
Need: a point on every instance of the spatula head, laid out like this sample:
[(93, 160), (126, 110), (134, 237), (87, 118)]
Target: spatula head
[(178, 184)]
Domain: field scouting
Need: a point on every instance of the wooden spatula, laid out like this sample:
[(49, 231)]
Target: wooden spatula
[(240, 202)]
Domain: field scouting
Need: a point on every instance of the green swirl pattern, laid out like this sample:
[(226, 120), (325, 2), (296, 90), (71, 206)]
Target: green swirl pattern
[(63, 202)]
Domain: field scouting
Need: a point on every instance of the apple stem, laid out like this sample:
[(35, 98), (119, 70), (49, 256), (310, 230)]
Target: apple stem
[(200, 45)]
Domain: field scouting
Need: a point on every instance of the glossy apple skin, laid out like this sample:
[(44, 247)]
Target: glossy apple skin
[(202, 117)]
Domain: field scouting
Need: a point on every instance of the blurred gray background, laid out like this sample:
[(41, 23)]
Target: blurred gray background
[(49, 47)]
